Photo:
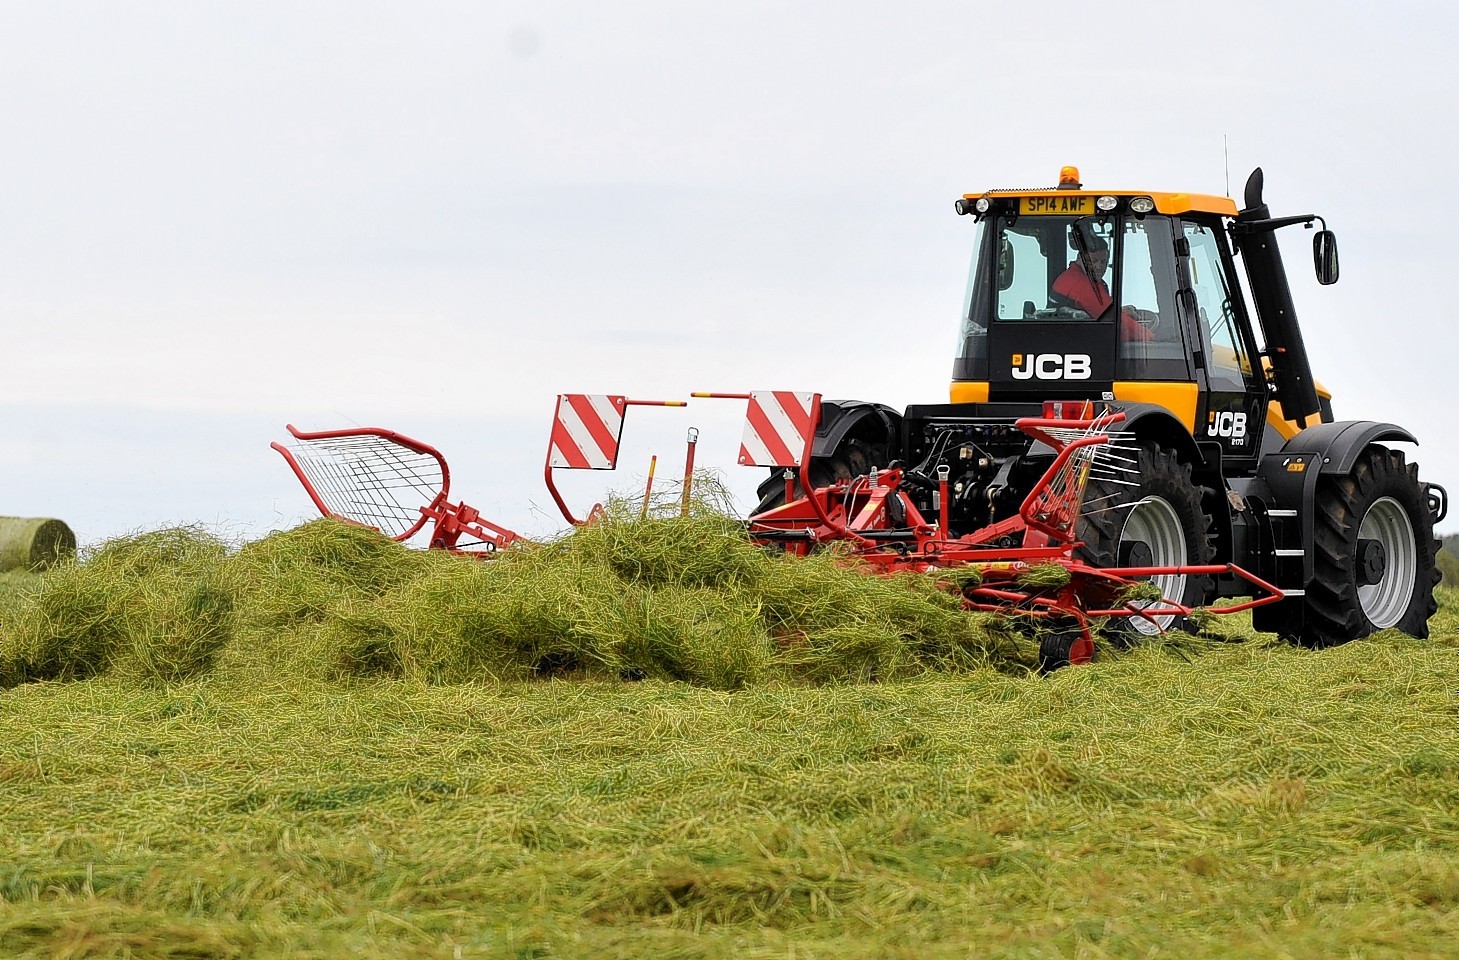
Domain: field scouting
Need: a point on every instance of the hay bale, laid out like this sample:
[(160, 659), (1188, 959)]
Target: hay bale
[(34, 543)]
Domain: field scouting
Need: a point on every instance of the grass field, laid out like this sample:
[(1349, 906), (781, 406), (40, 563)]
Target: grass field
[(1213, 797)]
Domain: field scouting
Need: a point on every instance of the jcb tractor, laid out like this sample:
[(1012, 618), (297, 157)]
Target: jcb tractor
[(1129, 303)]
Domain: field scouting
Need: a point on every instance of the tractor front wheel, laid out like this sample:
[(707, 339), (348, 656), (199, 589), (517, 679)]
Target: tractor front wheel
[(1154, 519), (1374, 553)]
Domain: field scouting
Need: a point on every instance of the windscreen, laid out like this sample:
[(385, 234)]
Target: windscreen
[(1033, 268), (1054, 268)]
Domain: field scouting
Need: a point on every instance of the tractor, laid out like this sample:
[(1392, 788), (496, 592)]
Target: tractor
[(1129, 302)]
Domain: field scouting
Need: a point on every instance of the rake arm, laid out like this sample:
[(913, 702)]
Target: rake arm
[(387, 481)]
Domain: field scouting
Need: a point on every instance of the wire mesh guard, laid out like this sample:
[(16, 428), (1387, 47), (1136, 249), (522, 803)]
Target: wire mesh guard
[(371, 479), (1097, 454)]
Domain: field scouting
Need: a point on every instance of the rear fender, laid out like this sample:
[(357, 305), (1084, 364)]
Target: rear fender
[(1152, 422), (872, 423), (1327, 449)]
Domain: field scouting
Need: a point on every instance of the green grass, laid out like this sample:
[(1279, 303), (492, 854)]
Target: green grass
[(689, 600), (265, 795)]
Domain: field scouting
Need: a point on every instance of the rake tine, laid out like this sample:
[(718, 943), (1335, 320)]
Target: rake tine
[(1118, 506)]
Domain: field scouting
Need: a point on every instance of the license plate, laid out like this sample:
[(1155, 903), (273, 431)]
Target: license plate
[(1056, 205)]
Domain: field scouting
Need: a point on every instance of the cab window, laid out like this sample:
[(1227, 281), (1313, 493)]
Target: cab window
[(971, 361), (1040, 275), (1227, 360), (1151, 344)]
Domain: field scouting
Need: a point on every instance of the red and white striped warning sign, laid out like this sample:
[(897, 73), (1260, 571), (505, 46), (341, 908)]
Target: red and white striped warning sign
[(585, 431), (777, 425)]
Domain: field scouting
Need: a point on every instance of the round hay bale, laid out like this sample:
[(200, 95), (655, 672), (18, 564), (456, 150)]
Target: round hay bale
[(34, 543)]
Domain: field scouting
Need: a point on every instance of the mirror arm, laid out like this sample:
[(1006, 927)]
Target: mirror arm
[(1243, 227)]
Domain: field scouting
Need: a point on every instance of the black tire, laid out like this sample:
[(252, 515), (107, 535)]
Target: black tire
[(852, 459), (1380, 497), (1056, 640), (1164, 498)]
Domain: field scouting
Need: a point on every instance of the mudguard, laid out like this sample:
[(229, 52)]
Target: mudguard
[(1290, 476), (1150, 421), (873, 422), (1339, 444)]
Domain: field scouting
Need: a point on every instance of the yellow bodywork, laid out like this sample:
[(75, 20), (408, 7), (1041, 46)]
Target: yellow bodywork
[(1058, 202), (1290, 428), (1180, 398)]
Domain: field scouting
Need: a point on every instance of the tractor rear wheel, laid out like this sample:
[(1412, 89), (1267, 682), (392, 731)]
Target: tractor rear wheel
[(1374, 553), (853, 458), (1155, 521)]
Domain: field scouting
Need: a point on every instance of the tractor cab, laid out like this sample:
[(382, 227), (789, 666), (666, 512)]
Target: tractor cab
[(1116, 295)]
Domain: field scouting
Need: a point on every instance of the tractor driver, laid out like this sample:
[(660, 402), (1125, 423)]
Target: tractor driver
[(1083, 286)]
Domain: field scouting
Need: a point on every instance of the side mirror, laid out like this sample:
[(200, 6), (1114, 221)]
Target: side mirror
[(1324, 256), (1005, 264)]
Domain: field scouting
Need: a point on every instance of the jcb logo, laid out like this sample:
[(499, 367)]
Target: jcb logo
[(1051, 366), (1227, 424)]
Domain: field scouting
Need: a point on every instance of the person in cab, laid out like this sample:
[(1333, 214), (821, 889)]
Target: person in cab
[(1082, 286)]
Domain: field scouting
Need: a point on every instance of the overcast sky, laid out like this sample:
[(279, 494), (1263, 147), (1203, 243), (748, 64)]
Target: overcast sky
[(216, 218)]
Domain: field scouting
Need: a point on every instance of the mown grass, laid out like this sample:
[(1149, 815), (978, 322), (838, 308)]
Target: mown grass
[(1217, 796), (680, 599)]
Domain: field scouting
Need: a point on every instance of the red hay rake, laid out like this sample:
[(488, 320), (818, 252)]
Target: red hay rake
[(388, 481), (1023, 565), (996, 567)]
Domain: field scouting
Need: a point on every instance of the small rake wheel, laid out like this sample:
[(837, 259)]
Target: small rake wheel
[(1056, 639)]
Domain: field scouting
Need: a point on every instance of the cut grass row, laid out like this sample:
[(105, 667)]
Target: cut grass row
[(678, 599)]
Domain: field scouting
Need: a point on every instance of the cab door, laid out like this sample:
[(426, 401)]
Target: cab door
[(1231, 410)]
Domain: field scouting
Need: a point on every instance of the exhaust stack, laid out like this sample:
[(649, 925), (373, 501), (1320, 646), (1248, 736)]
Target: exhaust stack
[(1254, 232)]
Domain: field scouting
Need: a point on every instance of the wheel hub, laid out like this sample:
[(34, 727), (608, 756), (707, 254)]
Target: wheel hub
[(1372, 560), (1136, 553)]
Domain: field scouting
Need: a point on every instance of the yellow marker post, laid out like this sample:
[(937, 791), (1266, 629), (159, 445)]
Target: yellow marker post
[(648, 490)]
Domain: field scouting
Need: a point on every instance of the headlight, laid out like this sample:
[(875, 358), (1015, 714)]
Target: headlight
[(1105, 204), (1142, 205), (983, 205)]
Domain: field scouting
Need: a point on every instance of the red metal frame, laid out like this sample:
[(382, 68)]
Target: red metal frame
[(858, 512), (451, 520), (547, 467), (399, 438), (854, 510)]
